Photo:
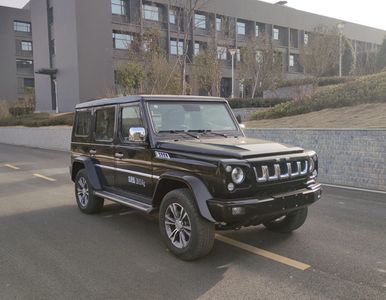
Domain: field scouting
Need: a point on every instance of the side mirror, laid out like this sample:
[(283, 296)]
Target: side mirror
[(137, 134)]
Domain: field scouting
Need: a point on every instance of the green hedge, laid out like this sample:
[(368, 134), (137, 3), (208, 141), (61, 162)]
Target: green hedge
[(367, 89), (322, 81), (255, 102), (38, 120)]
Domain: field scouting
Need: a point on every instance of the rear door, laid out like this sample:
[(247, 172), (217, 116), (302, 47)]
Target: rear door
[(133, 178), (103, 148)]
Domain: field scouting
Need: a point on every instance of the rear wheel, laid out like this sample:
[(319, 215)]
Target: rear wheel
[(289, 222), (184, 231), (87, 202)]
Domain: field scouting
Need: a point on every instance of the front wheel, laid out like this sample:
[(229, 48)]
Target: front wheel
[(289, 222), (185, 232), (87, 202)]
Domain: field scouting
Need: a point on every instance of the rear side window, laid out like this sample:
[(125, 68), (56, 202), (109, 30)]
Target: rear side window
[(105, 119), (82, 123)]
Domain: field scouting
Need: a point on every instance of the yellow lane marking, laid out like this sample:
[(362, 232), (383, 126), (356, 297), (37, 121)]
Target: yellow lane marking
[(12, 167), (278, 258), (44, 177)]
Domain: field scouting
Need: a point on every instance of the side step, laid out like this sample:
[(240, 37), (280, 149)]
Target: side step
[(125, 201)]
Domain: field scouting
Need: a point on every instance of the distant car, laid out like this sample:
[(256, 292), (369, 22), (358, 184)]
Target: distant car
[(188, 159)]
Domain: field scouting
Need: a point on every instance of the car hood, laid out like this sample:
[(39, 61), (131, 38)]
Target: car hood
[(240, 147)]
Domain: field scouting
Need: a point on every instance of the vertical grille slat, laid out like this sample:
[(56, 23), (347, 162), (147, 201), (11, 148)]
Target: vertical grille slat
[(270, 172)]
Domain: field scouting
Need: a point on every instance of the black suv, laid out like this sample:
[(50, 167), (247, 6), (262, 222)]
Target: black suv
[(188, 159)]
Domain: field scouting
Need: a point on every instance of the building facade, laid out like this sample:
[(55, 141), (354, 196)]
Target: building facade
[(79, 44), (16, 53)]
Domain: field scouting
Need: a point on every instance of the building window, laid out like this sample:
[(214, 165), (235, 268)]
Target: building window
[(291, 61), (118, 7), (24, 66), (176, 47), (197, 48), (218, 24), (276, 34), (238, 55), (200, 21), (172, 16), (222, 53), (29, 82), (240, 28), (257, 30), (306, 38), (26, 46), (122, 40), (150, 12), (22, 26)]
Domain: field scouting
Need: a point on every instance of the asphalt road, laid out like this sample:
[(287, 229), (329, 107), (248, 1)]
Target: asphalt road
[(49, 250)]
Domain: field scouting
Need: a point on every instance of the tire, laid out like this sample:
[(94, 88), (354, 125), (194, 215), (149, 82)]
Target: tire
[(188, 237), (84, 194), (288, 223)]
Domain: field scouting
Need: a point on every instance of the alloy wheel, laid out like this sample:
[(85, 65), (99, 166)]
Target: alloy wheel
[(178, 226)]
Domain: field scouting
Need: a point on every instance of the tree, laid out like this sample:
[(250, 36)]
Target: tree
[(366, 63), (130, 77), (206, 71), (320, 56), (185, 17), (261, 65), (381, 56), (148, 70)]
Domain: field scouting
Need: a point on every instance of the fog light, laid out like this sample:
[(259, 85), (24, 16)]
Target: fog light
[(231, 187), (237, 211)]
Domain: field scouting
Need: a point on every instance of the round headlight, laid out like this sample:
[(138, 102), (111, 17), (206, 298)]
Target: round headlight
[(238, 175)]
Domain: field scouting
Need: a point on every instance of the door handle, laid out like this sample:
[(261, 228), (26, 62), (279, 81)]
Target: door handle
[(92, 152), (119, 155)]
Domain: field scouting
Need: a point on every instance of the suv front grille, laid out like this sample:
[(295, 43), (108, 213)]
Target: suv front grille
[(270, 172)]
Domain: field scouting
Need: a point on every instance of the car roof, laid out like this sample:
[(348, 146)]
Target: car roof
[(129, 99)]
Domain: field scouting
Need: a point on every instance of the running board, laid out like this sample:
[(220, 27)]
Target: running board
[(125, 201)]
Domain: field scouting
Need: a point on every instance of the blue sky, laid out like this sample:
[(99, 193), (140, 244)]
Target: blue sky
[(369, 12)]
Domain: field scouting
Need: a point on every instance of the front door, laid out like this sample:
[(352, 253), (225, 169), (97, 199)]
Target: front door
[(133, 177), (103, 148)]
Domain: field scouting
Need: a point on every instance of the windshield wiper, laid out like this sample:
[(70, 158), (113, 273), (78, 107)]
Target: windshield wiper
[(180, 131), (204, 131)]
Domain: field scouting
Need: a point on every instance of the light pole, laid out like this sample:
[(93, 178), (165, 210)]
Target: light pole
[(233, 52), (340, 28)]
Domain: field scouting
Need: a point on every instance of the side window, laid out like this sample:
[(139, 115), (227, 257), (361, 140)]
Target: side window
[(104, 128), (82, 124), (131, 117)]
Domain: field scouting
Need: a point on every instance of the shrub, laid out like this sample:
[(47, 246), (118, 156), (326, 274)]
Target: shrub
[(38, 120), (255, 102), (321, 81), (4, 109), (367, 89)]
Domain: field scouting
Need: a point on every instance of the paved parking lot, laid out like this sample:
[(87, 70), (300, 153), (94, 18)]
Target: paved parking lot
[(49, 250)]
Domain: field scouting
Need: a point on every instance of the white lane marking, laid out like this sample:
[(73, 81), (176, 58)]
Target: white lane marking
[(270, 255), (11, 167), (354, 189), (44, 177)]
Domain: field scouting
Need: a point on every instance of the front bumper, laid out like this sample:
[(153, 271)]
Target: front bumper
[(256, 211)]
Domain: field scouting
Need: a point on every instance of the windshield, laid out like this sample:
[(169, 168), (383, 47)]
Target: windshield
[(191, 117)]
